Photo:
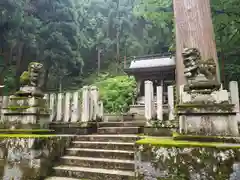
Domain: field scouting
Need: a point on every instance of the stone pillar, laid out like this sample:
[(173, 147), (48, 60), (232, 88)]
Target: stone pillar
[(75, 108), (85, 104), (59, 107), (148, 88), (4, 105), (159, 103), (171, 103), (52, 106), (100, 110), (181, 119), (153, 102), (94, 96), (234, 95), (67, 107), (46, 97)]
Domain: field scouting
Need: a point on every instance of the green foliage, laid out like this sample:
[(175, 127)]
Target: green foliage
[(225, 15), (65, 36), (117, 93), (9, 81)]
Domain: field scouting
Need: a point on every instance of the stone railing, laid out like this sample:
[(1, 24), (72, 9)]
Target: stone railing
[(151, 110), (71, 106)]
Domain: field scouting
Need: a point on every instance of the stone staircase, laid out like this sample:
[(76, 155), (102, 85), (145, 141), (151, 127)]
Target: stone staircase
[(108, 155)]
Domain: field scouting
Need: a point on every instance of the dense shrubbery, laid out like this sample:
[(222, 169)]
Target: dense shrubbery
[(117, 92)]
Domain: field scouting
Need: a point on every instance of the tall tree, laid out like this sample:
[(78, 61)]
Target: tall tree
[(194, 29)]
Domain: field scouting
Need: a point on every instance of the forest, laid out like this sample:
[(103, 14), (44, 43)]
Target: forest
[(77, 40)]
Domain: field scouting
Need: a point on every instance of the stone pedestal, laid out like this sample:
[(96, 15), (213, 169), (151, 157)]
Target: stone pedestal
[(26, 113), (207, 113)]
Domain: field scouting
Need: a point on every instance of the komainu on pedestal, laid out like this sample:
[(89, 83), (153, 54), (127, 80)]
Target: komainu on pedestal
[(204, 107), (27, 108)]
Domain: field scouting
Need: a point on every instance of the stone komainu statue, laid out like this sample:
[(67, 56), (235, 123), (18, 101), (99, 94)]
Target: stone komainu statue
[(194, 65), (33, 77)]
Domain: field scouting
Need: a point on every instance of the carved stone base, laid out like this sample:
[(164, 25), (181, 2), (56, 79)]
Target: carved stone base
[(27, 91), (26, 110), (17, 120), (210, 113), (214, 125)]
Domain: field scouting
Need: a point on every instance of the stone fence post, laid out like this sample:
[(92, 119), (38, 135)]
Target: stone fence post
[(148, 86), (94, 102), (234, 95), (60, 97), (5, 100), (67, 107), (100, 110), (75, 107), (85, 104), (171, 103), (52, 106), (160, 103)]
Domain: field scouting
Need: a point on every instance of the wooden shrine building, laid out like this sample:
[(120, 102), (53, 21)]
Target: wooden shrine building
[(156, 68)]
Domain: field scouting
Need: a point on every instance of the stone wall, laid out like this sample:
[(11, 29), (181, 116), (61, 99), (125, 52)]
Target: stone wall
[(30, 158), (155, 162)]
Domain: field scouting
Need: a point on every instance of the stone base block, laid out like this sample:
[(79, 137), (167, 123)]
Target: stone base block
[(217, 125), (25, 120)]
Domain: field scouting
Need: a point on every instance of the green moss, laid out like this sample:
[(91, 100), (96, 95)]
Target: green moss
[(170, 142), (177, 136), (27, 135), (24, 78), (14, 108), (27, 130), (18, 98)]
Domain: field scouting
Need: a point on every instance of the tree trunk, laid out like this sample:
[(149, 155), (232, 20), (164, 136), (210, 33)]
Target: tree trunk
[(19, 65), (117, 36), (99, 60), (45, 80), (194, 29)]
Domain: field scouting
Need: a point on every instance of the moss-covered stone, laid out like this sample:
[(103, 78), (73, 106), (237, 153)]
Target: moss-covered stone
[(206, 106), (170, 142), (31, 155), (199, 138), (26, 131), (184, 163), (18, 125), (177, 159), (24, 78)]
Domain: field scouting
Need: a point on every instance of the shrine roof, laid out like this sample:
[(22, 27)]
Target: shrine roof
[(152, 62)]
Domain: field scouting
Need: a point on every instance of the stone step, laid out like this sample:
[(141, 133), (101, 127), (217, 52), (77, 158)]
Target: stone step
[(119, 130), (100, 153), (62, 178), (109, 137), (103, 145), (91, 162), (123, 117), (93, 173), (122, 124)]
